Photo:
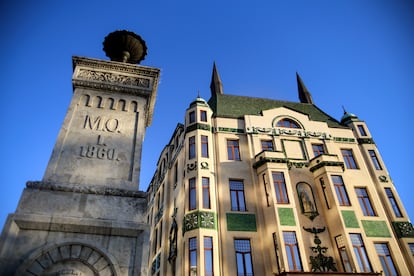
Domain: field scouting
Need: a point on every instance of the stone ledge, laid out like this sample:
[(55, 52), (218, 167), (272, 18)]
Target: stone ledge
[(85, 189), (79, 225)]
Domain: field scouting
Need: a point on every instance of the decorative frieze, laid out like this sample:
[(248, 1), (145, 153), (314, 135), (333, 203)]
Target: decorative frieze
[(365, 141), (404, 229), (289, 132), (199, 219)]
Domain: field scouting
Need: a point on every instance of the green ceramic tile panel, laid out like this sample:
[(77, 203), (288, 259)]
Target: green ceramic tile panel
[(350, 219), (286, 216), (241, 222), (376, 228)]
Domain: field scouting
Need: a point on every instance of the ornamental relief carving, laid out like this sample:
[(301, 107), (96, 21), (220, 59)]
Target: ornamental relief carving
[(112, 78), (290, 132)]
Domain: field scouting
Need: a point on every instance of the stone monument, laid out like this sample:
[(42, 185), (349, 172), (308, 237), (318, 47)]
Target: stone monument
[(86, 216)]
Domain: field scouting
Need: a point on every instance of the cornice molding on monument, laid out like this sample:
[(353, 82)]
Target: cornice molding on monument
[(85, 189), (118, 77), (116, 66)]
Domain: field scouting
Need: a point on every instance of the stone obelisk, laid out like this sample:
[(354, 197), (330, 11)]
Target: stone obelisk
[(86, 216)]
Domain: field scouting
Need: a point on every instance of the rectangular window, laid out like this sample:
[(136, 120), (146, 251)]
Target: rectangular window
[(393, 202), (411, 246), (155, 241), (267, 145), (292, 251), (318, 149), (280, 187), (175, 174), (233, 151), (192, 193), (387, 263), (206, 192), (340, 190), (346, 263), (243, 257), (191, 117), (362, 130), (191, 147), (360, 253), (349, 159), (237, 195), (208, 256), (203, 115), (374, 160), (204, 146), (364, 201), (192, 256), (160, 235)]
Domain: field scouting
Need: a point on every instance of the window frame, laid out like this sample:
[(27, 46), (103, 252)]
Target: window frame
[(374, 159), (385, 258), (204, 146), (192, 254), (360, 252), (205, 183), (393, 202), (279, 184), (208, 255), (233, 149), (362, 130), (243, 255), (318, 149), (203, 116), (340, 190), (237, 195), (191, 117), (365, 201), (267, 145), (192, 194), (191, 147), (288, 123), (349, 159), (292, 251)]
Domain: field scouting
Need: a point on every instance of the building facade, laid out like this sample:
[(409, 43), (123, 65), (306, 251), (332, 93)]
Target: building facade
[(250, 186)]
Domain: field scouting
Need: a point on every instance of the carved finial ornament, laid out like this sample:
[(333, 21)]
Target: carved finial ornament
[(125, 46)]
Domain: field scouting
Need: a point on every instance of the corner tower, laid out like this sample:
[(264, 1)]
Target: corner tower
[(86, 217)]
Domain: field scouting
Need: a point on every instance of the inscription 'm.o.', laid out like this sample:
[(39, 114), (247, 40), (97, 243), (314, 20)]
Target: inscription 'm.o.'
[(101, 123)]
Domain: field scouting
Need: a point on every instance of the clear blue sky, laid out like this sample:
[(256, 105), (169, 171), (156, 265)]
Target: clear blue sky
[(356, 54)]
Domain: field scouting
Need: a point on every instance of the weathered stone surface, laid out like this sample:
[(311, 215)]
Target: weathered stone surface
[(87, 216), (101, 138)]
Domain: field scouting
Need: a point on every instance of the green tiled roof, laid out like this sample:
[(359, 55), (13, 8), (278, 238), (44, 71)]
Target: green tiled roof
[(237, 106)]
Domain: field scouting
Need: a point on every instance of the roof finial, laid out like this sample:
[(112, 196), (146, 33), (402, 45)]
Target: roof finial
[(343, 108), (216, 86), (304, 94)]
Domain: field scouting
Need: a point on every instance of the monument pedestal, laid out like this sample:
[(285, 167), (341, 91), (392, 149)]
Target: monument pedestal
[(87, 217)]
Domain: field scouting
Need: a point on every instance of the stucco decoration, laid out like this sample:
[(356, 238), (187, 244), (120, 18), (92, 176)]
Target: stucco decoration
[(307, 200), (173, 239), (320, 262), (69, 258)]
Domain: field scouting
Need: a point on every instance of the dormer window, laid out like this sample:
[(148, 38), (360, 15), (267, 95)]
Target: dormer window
[(286, 122)]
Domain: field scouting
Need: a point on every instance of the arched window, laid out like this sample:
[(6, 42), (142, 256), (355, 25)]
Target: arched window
[(286, 122)]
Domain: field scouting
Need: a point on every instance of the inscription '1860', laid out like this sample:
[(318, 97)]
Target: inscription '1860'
[(99, 151)]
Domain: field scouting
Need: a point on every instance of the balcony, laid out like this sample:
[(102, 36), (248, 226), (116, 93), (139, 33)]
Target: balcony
[(325, 160), (269, 156)]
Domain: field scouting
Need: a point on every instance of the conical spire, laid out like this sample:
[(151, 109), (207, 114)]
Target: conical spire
[(216, 86), (304, 95)]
